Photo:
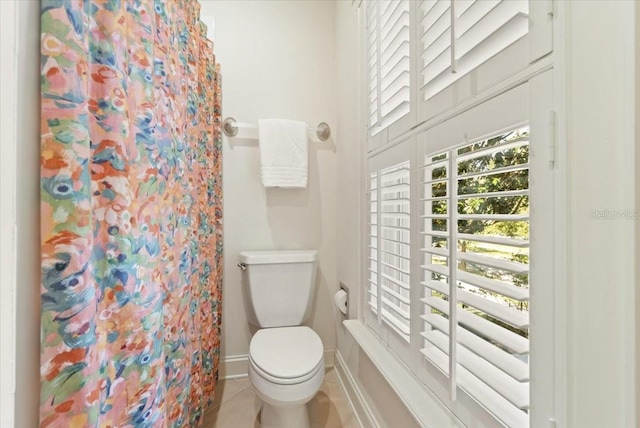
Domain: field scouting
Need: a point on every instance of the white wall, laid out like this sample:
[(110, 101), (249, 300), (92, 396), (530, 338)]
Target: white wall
[(277, 61), (24, 134), (601, 144), (350, 155)]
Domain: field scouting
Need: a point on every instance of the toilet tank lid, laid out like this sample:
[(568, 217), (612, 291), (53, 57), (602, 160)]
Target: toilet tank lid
[(270, 257)]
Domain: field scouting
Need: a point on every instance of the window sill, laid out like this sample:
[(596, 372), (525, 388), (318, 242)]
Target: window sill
[(425, 407)]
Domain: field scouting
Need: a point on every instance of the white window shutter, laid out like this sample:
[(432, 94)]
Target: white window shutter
[(373, 48), (460, 35), (483, 28), (476, 261), (467, 47), (388, 62), (394, 252), (389, 269)]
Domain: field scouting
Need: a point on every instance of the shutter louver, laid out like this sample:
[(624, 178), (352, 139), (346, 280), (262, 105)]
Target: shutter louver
[(460, 35), (476, 199), (388, 62)]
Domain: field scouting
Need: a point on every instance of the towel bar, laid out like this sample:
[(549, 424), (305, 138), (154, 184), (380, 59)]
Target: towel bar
[(230, 128)]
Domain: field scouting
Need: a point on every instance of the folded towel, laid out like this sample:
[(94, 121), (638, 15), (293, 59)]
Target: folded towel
[(283, 152)]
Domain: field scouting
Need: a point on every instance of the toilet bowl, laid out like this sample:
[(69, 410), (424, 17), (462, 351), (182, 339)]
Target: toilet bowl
[(286, 367)]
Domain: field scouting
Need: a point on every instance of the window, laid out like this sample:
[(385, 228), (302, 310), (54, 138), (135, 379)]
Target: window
[(450, 212), (459, 97), (388, 62), (476, 270)]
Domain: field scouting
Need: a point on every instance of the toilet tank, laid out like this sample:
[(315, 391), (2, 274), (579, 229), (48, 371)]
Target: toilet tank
[(278, 286)]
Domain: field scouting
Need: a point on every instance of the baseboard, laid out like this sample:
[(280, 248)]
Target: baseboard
[(237, 366), (234, 366), (329, 357), (358, 403)]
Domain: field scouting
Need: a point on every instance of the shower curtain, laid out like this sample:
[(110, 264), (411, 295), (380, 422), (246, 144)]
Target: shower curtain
[(131, 208)]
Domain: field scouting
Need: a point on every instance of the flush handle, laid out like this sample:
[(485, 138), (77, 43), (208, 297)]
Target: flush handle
[(242, 266)]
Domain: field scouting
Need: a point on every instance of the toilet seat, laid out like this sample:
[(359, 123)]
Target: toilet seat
[(286, 381), (286, 355)]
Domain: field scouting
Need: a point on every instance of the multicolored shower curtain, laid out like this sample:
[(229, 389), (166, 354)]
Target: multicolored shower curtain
[(131, 204)]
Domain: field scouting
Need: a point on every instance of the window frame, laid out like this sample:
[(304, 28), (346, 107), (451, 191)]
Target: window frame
[(537, 76)]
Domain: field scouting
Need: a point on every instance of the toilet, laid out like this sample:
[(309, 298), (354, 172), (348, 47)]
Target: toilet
[(286, 359)]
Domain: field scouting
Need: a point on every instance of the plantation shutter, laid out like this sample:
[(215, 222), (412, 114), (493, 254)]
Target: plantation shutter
[(460, 35), (389, 247), (475, 257), (394, 251), (465, 48), (388, 62)]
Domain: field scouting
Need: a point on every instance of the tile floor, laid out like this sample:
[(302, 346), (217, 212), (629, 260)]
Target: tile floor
[(237, 406)]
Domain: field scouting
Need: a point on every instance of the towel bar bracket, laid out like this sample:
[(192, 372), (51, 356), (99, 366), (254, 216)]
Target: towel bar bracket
[(229, 127), (323, 131)]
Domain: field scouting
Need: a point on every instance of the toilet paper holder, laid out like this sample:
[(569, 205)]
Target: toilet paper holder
[(341, 299)]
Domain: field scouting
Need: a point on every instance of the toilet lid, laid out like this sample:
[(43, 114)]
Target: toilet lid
[(286, 352)]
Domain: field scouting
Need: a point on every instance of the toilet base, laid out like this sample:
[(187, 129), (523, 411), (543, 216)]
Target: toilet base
[(284, 417)]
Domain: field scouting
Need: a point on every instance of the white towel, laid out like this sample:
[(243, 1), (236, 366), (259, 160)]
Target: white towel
[(283, 152)]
